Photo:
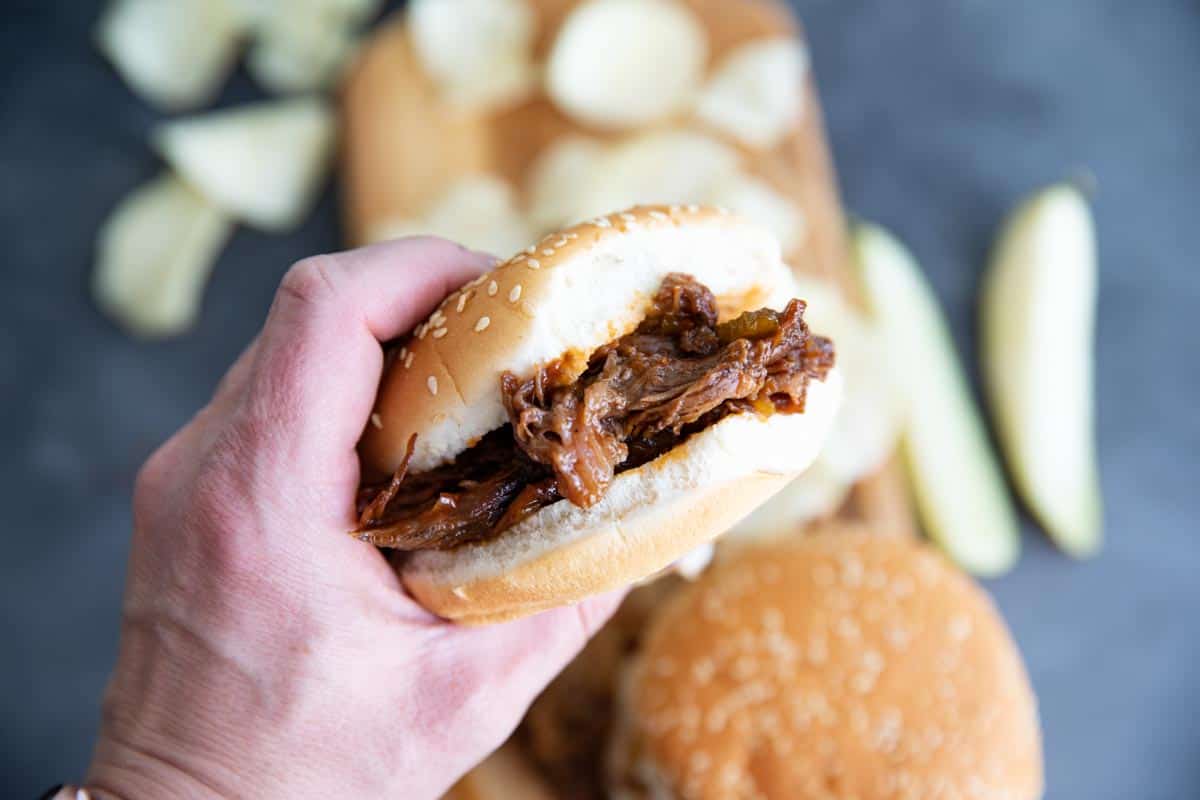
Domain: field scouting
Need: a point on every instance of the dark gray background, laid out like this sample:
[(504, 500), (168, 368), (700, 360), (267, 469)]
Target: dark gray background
[(941, 112)]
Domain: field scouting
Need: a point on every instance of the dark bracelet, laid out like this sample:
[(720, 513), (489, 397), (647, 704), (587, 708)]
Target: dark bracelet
[(65, 791)]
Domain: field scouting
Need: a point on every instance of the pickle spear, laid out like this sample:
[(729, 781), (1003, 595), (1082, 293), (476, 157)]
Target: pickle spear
[(956, 478), (1038, 321)]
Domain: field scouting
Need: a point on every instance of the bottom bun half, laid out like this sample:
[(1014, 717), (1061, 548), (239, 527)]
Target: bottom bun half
[(649, 517)]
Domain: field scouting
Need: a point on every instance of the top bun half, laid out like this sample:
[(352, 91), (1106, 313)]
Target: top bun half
[(561, 298)]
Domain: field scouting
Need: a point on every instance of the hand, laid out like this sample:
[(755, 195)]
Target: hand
[(266, 653)]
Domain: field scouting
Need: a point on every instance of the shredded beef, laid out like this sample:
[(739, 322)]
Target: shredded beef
[(452, 505), (640, 396), (678, 366)]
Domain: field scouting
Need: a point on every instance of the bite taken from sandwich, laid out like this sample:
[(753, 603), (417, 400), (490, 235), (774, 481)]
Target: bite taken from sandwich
[(591, 410)]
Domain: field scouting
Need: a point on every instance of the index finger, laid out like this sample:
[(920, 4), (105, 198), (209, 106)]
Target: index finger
[(318, 363)]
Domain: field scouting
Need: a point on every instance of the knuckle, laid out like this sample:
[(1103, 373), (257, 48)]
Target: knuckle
[(308, 282), (149, 475), (150, 482)]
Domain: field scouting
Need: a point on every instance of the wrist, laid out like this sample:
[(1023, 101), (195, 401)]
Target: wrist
[(121, 771)]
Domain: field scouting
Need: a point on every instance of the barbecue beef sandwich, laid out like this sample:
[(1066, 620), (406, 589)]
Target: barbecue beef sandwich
[(590, 410)]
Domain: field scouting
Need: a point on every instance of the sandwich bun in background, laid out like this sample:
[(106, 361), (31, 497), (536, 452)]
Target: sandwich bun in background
[(561, 299), (835, 665), (388, 176), (566, 731)]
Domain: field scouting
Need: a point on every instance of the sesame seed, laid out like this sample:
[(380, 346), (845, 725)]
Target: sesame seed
[(439, 333), (548, 251), (514, 294), (482, 324), (561, 242), (531, 249), (960, 627), (403, 353), (493, 287), (534, 264), (692, 208), (460, 592), (743, 669), (862, 683), (408, 359), (437, 318), (689, 718), (602, 222), (625, 215), (377, 421), (431, 382), (897, 637), (773, 618), (421, 331), (462, 302), (656, 214), (852, 572)]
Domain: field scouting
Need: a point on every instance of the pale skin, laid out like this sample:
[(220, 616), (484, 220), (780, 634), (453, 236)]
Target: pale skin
[(266, 653)]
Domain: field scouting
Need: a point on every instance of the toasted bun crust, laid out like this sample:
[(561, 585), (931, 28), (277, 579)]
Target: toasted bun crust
[(844, 665), (564, 296)]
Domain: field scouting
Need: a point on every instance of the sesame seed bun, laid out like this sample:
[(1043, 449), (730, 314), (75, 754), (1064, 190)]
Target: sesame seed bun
[(562, 298), (839, 665)]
